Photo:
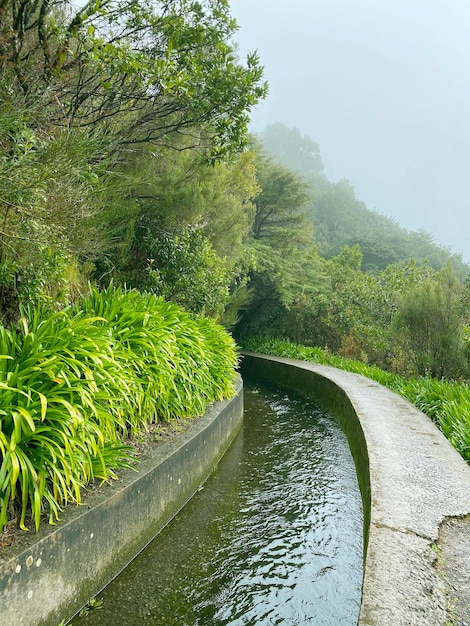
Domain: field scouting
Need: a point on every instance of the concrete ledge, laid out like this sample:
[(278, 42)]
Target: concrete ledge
[(412, 482), (55, 572)]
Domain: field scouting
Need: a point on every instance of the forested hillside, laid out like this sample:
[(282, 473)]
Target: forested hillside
[(341, 219), (352, 280), (125, 157)]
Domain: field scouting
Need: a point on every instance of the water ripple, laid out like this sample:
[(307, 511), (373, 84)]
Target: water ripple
[(275, 537)]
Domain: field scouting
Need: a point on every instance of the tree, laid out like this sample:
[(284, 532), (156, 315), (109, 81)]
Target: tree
[(90, 94), (354, 317), (189, 227), (281, 268), (184, 268), (280, 219), (51, 213), (428, 318), (293, 150), (180, 188), (142, 71)]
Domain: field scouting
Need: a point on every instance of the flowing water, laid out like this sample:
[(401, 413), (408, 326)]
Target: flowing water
[(274, 537)]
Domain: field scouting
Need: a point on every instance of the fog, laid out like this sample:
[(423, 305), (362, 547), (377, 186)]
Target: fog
[(383, 86)]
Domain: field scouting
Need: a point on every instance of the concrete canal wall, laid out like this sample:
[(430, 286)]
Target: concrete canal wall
[(415, 490), (416, 494)]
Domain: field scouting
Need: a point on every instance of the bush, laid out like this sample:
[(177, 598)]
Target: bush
[(75, 383)]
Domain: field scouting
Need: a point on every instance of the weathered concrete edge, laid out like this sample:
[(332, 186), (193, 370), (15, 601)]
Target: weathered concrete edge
[(61, 569), (411, 480)]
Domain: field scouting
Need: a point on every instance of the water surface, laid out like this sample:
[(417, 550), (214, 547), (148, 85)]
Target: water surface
[(273, 538)]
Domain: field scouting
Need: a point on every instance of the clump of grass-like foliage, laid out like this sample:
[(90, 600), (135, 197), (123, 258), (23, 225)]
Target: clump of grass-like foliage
[(446, 403), (75, 383)]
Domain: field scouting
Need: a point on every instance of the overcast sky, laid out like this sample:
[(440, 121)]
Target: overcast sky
[(383, 86)]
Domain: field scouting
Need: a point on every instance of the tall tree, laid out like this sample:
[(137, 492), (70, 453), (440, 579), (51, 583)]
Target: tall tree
[(429, 319), (293, 150), (141, 70), (280, 219), (282, 263), (192, 219), (86, 93)]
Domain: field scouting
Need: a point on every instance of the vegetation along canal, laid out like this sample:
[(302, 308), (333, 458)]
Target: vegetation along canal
[(273, 537)]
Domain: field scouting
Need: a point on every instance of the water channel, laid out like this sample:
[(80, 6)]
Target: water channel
[(274, 537)]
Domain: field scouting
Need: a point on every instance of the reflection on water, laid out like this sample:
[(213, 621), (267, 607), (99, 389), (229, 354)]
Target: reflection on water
[(274, 537)]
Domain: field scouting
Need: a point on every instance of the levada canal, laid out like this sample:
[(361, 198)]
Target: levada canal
[(274, 537)]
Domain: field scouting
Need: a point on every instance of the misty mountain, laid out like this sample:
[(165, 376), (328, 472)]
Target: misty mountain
[(341, 219)]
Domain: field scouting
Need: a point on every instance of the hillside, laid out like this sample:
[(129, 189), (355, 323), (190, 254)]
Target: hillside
[(340, 219)]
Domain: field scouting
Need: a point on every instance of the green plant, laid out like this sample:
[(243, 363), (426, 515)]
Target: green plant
[(91, 605), (55, 433), (75, 383), (446, 403)]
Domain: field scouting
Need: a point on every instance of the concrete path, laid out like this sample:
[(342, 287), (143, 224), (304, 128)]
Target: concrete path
[(418, 483), (454, 566)]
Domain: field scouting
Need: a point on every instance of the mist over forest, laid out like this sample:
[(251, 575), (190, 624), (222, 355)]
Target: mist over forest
[(383, 88), (341, 219)]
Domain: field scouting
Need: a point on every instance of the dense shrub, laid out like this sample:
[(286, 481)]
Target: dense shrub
[(75, 383)]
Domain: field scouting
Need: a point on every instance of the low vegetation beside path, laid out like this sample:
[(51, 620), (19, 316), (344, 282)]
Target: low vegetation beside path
[(76, 383), (446, 403)]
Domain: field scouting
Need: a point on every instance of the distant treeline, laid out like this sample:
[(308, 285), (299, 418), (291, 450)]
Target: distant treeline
[(358, 284), (340, 219)]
